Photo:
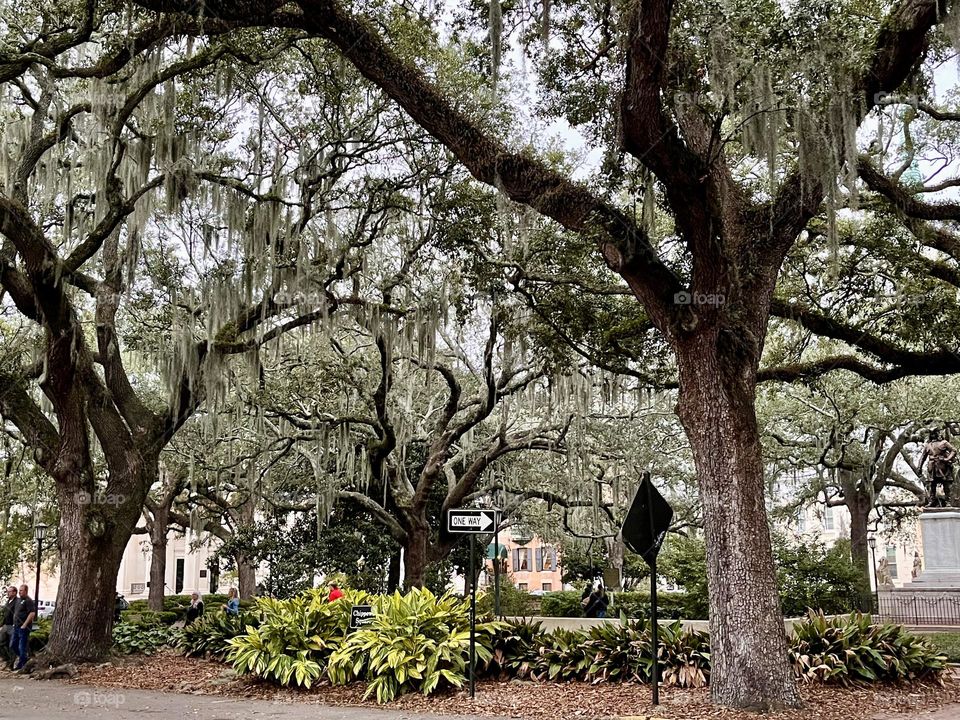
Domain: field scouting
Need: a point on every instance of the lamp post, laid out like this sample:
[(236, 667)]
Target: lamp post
[(39, 533), (872, 542)]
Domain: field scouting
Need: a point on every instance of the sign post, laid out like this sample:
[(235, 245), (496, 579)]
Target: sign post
[(360, 616), (643, 532), (471, 522)]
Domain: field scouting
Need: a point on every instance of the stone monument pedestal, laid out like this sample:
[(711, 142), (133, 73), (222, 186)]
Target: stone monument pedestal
[(933, 597)]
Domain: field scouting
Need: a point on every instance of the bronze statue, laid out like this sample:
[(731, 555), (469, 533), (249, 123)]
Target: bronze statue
[(940, 468)]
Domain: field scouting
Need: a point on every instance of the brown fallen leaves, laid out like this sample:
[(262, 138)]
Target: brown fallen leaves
[(169, 671)]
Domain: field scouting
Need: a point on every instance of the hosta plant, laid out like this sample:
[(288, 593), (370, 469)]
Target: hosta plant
[(133, 639)]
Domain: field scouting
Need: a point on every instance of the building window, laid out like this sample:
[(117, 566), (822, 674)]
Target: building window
[(892, 561), (179, 580), (547, 587), (138, 588), (522, 586), (521, 559), (828, 523), (203, 574), (546, 558)]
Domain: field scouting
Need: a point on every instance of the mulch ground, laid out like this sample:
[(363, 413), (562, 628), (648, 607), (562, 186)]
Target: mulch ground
[(169, 671)]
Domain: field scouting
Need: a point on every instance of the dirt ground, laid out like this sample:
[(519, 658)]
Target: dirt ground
[(170, 672)]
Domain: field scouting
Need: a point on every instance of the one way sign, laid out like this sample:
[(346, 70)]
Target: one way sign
[(471, 521)]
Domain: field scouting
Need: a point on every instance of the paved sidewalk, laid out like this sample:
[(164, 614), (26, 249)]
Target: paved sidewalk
[(26, 699), (950, 712)]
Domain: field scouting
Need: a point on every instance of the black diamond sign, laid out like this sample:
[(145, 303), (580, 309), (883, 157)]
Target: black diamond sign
[(647, 521)]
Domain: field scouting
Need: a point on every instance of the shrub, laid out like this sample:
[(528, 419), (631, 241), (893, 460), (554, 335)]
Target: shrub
[(144, 639), (850, 649), (210, 636), (611, 652), (516, 649), (562, 603), (40, 634), (670, 605), (416, 642), (513, 601), (293, 643), (148, 618), (635, 605), (810, 575)]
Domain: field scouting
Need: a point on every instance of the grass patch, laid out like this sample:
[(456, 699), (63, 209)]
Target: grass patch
[(949, 644)]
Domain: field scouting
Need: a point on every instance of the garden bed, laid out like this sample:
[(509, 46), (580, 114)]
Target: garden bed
[(170, 671)]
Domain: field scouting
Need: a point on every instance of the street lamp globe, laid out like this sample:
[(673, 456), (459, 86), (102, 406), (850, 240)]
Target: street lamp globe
[(40, 532), (872, 542)]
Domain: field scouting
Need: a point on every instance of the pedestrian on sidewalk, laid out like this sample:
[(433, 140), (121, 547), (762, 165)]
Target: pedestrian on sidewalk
[(6, 630), (23, 617)]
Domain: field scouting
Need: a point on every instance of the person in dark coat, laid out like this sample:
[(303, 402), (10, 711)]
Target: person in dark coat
[(6, 632), (195, 610), (598, 603)]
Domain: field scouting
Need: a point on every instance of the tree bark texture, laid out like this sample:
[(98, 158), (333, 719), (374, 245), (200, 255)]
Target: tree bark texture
[(750, 667)]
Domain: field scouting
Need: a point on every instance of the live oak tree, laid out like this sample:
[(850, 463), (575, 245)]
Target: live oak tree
[(742, 118), (847, 443), (735, 120), (167, 211)]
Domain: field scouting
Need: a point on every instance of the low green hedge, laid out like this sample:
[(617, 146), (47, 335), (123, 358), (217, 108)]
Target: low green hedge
[(566, 603), (149, 618)]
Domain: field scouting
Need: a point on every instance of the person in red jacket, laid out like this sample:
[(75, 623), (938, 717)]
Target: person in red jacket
[(335, 593)]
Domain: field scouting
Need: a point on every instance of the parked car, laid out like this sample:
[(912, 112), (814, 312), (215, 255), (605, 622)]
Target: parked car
[(46, 608)]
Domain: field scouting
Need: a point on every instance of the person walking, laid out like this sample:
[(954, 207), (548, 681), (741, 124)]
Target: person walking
[(585, 598), (6, 630), (598, 602), (232, 606), (195, 610), (23, 617)]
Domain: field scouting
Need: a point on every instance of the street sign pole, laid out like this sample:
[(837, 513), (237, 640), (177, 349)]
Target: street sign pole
[(496, 571), (473, 618), (655, 625), (643, 531), (655, 631)]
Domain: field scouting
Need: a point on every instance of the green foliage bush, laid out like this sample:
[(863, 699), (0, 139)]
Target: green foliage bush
[(611, 652), (566, 603), (812, 576), (210, 636), (842, 650), (850, 649), (148, 618), (562, 603), (40, 634), (130, 638), (416, 643), (513, 602)]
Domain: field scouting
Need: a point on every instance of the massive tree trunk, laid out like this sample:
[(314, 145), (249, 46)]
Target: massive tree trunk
[(158, 560), (750, 667), (92, 538)]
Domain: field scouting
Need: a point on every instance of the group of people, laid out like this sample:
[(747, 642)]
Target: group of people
[(195, 608), (594, 601), (19, 612)]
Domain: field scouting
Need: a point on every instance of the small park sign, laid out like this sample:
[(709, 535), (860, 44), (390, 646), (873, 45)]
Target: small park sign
[(361, 616)]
